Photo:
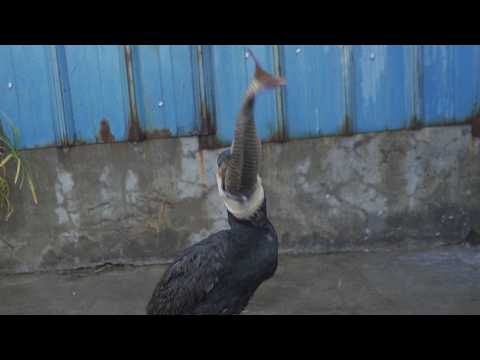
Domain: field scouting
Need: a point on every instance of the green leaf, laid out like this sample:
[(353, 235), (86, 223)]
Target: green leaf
[(32, 189), (5, 160), (19, 162)]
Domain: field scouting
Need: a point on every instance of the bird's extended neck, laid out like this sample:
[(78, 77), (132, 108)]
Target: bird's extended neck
[(258, 219)]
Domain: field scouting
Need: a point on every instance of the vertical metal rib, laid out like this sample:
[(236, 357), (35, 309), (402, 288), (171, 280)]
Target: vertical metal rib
[(417, 85), (134, 129), (64, 124), (349, 91), (279, 93)]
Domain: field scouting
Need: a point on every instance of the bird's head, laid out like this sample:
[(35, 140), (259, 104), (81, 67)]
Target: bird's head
[(222, 165)]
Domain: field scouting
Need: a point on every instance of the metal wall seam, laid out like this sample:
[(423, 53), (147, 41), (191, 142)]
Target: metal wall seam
[(66, 128), (207, 125), (417, 81), (140, 92), (135, 131), (348, 73), (30, 98), (279, 63)]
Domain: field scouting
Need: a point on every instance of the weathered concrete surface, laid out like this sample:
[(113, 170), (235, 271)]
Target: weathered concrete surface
[(444, 280), (142, 203)]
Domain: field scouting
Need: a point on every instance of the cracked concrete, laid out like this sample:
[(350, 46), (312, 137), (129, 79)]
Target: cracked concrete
[(443, 280), (141, 203)]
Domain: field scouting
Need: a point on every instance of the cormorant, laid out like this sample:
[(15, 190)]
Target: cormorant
[(219, 274)]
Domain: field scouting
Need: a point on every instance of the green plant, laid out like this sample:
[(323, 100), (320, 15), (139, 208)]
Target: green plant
[(9, 152)]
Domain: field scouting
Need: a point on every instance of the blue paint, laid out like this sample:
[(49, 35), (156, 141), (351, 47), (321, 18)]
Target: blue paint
[(62, 88), (232, 73), (315, 92), (166, 83), (383, 95), (62, 93), (467, 81), (98, 90), (31, 102), (451, 90), (207, 94)]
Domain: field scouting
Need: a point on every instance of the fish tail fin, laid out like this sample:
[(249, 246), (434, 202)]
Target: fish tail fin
[(262, 79)]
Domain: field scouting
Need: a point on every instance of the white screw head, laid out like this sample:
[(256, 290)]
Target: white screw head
[(372, 56), (10, 85), (298, 51), (160, 103)]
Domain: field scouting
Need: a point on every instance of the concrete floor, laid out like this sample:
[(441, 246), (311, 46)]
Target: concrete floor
[(444, 280)]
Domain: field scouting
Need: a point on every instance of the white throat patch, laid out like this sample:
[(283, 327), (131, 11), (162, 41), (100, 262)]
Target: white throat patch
[(245, 208)]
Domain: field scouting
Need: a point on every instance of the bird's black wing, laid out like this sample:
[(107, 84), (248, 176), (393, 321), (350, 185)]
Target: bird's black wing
[(191, 276)]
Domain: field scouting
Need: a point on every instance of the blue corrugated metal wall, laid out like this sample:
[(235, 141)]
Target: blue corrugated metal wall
[(61, 95), (30, 93), (315, 93), (167, 88), (96, 88)]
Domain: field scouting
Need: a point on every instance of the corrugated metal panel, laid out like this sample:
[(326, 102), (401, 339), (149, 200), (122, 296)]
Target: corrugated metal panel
[(451, 83), (232, 72), (28, 94), (98, 91), (315, 101), (167, 89), (384, 87), (86, 94)]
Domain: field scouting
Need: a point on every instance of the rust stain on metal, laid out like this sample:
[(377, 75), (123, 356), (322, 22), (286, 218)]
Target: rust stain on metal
[(135, 132), (207, 126), (347, 127), (276, 134), (202, 163), (80, 142), (105, 132), (416, 123), (207, 138), (276, 137), (66, 143), (159, 134), (210, 142)]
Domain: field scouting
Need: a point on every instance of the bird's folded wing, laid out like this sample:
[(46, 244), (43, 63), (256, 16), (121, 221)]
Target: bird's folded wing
[(190, 278)]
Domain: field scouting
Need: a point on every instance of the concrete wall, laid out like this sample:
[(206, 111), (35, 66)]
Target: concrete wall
[(142, 203)]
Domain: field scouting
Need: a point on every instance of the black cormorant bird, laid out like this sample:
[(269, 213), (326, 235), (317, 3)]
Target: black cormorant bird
[(219, 274)]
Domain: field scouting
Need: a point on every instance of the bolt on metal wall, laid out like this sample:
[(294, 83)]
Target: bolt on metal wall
[(73, 94)]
